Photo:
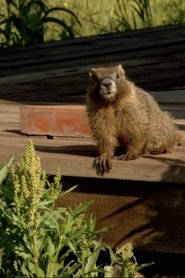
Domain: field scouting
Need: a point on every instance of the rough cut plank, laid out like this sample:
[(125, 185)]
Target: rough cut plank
[(143, 213), (132, 40), (56, 86), (76, 159), (153, 58), (159, 31), (152, 61)]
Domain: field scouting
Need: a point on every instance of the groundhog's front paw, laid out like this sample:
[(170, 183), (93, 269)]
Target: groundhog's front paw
[(102, 164), (128, 156)]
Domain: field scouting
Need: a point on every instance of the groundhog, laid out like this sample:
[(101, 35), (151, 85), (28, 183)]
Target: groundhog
[(122, 115)]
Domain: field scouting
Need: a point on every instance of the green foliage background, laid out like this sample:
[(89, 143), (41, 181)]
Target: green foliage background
[(96, 16), (104, 16)]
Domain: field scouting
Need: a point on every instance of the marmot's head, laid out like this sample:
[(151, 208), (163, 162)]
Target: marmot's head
[(107, 81)]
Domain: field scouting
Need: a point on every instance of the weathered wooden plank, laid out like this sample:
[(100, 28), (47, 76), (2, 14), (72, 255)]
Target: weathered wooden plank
[(157, 34), (153, 56), (152, 64), (77, 160), (76, 156), (150, 57), (143, 213), (175, 97), (123, 48), (56, 85)]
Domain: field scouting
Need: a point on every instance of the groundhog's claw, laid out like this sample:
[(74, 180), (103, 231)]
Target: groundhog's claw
[(102, 164)]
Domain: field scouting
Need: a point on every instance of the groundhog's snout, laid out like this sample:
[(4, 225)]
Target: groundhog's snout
[(107, 82), (107, 87)]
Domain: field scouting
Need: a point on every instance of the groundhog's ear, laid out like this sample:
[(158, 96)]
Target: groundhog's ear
[(93, 74), (120, 68), (120, 72), (92, 71)]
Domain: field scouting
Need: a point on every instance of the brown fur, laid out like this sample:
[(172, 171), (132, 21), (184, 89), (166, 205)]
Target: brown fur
[(123, 115)]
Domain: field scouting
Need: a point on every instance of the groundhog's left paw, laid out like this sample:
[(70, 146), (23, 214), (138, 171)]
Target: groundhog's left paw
[(102, 164)]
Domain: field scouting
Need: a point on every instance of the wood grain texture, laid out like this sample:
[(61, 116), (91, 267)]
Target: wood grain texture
[(149, 215), (75, 156), (144, 198), (154, 58)]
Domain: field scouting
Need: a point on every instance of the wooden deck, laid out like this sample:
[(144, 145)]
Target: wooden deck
[(143, 198)]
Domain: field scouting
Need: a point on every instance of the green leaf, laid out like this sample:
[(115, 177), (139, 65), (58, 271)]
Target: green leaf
[(40, 273), (43, 204), (72, 237), (63, 10), (69, 190), (81, 208), (53, 269), (61, 23), (1, 256), (4, 171), (92, 259), (51, 248), (72, 269), (4, 21), (35, 270), (22, 254), (24, 270), (141, 266), (108, 269), (41, 4), (31, 267), (7, 192)]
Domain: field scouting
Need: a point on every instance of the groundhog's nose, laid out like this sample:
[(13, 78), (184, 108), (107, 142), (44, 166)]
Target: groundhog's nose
[(107, 82)]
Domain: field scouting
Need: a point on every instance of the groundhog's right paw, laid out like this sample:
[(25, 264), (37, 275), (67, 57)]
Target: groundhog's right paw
[(102, 164)]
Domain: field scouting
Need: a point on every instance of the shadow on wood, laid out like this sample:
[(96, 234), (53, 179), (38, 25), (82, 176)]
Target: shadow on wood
[(150, 215)]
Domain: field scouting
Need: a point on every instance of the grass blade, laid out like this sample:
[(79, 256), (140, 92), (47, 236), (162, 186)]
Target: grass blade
[(4, 171)]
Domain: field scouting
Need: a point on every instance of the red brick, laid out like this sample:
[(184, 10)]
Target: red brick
[(63, 120)]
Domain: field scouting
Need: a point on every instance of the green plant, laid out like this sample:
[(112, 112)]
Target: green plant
[(97, 18), (175, 12), (121, 16), (25, 20), (38, 239), (131, 14)]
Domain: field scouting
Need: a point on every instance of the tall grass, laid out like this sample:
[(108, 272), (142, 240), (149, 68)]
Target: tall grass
[(96, 17), (24, 22), (131, 14), (119, 15)]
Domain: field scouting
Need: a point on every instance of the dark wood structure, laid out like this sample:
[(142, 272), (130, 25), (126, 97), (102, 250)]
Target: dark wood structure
[(145, 198)]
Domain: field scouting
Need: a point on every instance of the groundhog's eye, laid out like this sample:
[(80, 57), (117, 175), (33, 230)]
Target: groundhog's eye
[(94, 77)]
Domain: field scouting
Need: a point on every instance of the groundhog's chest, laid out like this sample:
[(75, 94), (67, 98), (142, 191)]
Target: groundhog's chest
[(118, 120)]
